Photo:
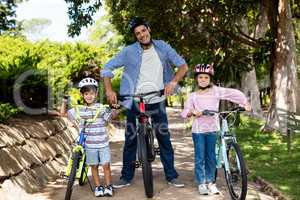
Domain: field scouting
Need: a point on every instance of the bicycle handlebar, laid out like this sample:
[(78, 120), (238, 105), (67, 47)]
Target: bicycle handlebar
[(212, 112), (141, 95)]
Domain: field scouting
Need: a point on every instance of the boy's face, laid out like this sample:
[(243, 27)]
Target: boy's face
[(89, 96), (142, 34), (203, 80)]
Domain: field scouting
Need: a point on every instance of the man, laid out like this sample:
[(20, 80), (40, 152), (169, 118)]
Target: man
[(147, 67)]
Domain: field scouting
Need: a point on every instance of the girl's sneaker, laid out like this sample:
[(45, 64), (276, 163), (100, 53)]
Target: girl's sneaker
[(99, 191), (213, 188), (203, 189), (108, 191)]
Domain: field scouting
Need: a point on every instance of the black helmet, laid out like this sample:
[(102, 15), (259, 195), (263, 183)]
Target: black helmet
[(137, 21)]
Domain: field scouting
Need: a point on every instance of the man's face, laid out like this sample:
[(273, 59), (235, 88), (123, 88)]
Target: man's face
[(142, 34)]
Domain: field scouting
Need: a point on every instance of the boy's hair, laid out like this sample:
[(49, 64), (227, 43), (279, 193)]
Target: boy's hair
[(88, 88)]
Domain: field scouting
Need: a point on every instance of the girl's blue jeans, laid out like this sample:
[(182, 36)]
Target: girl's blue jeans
[(205, 157)]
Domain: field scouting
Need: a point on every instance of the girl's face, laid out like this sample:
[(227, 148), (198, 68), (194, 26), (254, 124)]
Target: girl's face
[(203, 80), (89, 96)]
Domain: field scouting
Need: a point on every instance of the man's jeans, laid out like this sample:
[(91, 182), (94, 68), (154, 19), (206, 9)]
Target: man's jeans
[(160, 123), (205, 157)]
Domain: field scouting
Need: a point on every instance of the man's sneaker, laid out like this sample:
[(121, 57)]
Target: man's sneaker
[(203, 190), (108, 191), (213, 188), (99, 191), (176, 183), (121, 183)]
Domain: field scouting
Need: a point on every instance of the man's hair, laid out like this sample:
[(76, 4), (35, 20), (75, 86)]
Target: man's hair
[(137, 21)]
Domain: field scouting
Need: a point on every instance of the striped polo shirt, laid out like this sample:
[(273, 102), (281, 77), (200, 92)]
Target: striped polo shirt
[(93, 120)]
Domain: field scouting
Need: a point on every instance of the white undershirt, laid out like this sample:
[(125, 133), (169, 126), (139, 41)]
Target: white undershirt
[(151, 75)]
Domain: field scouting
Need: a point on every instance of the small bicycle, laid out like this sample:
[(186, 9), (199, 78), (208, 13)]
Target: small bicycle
[(77, 167), (229, 155), (146, 151)]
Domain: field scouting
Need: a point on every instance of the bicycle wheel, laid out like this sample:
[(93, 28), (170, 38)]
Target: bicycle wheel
[(150, 144), (75, 163), (146, 165), (83, 175), (236, 179)]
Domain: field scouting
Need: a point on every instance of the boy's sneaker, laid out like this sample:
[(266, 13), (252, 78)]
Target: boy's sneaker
[(108, 191), (99, 191), (176, 183), (203, 189), (213, 188), (121, 183)]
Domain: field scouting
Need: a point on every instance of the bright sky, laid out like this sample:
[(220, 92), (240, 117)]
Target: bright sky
[(54, 10)]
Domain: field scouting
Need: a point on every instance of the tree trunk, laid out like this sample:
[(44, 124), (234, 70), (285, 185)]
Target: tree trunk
[(284, 77), (249, 84)]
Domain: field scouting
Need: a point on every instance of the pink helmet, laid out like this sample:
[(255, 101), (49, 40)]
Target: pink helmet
[(204, 69)]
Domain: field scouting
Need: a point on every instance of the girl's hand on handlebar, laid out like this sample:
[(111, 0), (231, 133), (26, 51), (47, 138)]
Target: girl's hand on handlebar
[(197, 113)]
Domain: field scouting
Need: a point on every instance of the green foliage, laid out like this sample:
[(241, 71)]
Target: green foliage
[(7, 111), (7, 13), (202, 31), (80, 14), (51, 66), (266, 156)]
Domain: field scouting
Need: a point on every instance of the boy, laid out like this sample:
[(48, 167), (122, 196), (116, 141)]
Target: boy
[(92, 117)]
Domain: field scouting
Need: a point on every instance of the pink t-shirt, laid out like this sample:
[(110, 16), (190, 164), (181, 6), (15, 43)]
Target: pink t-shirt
[(210, 101)]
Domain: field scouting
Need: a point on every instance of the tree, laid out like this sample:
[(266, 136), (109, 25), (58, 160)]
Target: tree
[(33, 28), (80, 14), (211, 31), (7, 15), (284, 73)]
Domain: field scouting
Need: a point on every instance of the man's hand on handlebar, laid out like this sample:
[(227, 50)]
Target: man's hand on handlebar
[(112, 97)]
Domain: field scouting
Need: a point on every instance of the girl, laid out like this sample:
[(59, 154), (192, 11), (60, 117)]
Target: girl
[(204, 128)]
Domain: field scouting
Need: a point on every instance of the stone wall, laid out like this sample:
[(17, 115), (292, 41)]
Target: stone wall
[(33, 151)]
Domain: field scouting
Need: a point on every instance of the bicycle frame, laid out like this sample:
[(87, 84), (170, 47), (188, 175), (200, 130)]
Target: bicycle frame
[(222, 146)]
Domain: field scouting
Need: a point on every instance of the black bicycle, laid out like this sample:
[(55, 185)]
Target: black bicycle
[(146, 150)]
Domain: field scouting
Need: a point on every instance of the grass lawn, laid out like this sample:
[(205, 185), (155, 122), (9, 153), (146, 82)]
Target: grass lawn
[(266, 156)]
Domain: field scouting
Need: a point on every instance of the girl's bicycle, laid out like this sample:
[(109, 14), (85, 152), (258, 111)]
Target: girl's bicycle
[(229, 155), (146, 151), (77, 167)]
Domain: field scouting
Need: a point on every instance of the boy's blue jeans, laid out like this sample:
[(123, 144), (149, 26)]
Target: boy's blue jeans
[(205, 157), (160, 124)]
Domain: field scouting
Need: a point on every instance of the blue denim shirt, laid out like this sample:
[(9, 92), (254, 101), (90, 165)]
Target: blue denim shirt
[(131, 58)]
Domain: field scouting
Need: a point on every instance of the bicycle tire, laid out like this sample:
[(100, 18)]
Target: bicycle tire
[(75, 163), (237, 174), (150, 144), (146, 165), (83, 176)]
